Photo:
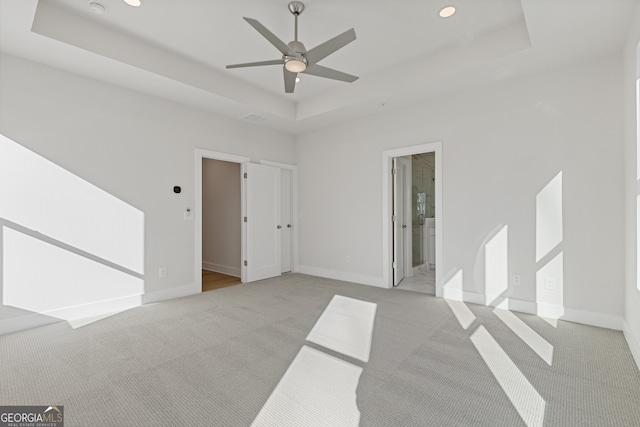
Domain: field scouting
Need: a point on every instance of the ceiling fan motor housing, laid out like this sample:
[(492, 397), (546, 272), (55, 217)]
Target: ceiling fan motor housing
[(297, 47)]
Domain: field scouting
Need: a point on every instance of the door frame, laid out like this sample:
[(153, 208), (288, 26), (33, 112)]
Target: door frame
[(201, 154), (387, 208), (294, 209)]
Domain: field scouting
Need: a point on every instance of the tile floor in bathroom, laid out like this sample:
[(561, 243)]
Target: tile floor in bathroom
[(422, 281)]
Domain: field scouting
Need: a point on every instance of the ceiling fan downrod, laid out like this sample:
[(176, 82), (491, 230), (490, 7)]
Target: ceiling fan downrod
[(296, 8)]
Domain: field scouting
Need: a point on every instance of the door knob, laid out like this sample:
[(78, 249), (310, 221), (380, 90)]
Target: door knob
[(288, 225), (404, 226), (279, 227)]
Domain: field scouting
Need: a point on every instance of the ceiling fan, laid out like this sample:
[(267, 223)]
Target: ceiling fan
[(296, 58)]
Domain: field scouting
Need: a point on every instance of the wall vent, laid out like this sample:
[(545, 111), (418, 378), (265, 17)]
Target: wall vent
[(254, 118)]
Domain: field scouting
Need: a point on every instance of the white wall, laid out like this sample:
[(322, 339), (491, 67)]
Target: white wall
[(502, 144), (221, 211), (134, 147), (632, 294), (517, 134)]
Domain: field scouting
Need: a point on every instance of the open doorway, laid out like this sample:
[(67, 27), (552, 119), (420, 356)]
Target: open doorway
[(262, 228), (221, 224), (200, 157), (412, 229), (421, 233)]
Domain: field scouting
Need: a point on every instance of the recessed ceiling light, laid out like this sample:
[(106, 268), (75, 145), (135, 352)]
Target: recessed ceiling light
[(297, 79), (134, 3), (447, 11)]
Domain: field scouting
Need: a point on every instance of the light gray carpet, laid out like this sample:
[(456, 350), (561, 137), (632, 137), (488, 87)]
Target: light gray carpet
[(215, 358)]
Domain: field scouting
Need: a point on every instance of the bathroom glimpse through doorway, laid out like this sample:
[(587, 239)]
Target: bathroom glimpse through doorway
[(423, 222), (413, 220)]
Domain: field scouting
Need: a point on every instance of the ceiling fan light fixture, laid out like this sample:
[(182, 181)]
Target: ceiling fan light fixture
[(447, 11), (296, 58), (295, 65)]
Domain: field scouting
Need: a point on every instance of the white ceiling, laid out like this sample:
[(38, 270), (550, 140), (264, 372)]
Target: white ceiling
[(404, 51)]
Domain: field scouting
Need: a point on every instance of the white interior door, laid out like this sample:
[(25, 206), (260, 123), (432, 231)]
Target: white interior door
[(401, 219), (262, 227), (287, 198), (407, 255), (398, 220)]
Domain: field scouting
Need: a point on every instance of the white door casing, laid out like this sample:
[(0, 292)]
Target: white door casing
[(261, 222)]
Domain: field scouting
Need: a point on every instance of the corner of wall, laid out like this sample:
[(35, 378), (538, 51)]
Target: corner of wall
[(633, 342)]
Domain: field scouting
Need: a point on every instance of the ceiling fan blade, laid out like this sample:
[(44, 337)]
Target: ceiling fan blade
[(256, 64), (327, 48), (289, 80), (329, 73), (272, 38)]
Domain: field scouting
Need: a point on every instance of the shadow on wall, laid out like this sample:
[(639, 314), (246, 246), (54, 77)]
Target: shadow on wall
[(69, 250)]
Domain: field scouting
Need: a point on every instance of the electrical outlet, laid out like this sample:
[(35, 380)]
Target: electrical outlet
[(162, 272), (516, 279), (549, 283)]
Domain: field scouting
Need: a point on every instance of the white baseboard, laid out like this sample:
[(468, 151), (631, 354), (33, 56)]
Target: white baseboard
[(27, 321), (95, 309), (601, 320), (33, 320), (453, 294), (171, 293), (591, 318), (633, 341), (224, 269), (342, 275)]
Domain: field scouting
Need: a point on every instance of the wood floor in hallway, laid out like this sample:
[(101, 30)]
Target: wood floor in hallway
[(212, 280)]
